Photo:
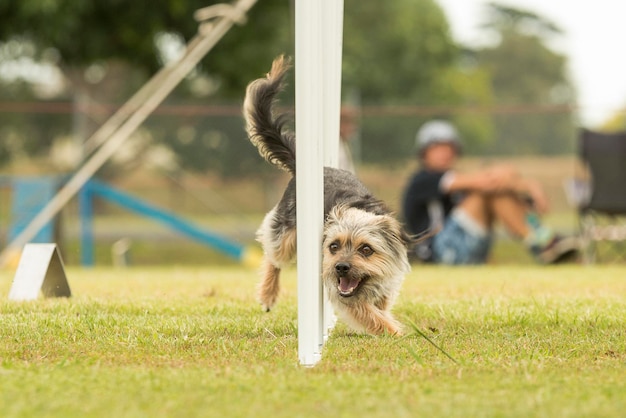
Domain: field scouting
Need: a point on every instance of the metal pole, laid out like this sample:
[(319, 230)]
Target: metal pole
[(309, 178), (333, 42), (85, 210)]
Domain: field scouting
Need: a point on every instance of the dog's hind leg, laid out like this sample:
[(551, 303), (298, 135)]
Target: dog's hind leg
[(277, 254)]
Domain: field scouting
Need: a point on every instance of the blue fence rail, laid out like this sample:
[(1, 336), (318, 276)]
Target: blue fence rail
[(143, 208), (29, 195)]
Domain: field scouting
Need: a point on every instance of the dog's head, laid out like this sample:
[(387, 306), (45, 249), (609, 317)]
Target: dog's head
[(364, 254)]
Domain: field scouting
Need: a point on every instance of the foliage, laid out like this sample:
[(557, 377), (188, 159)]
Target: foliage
[(617, 122), (395, 62), (503, 18), (412, 62), (107, 50), (23, 134), (95, 31), (103, 36), (530, 341), (526, 75), (218, 143)]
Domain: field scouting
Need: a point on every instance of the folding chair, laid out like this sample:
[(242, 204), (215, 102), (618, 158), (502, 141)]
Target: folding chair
[(602, 212)]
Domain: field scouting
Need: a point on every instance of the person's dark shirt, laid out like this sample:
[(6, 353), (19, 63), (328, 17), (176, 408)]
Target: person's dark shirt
[(422, 190)]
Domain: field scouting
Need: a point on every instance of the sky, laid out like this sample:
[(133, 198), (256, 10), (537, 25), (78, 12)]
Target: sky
[(594, 33)]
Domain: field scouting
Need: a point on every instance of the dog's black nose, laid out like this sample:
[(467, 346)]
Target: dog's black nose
[(342, 268)]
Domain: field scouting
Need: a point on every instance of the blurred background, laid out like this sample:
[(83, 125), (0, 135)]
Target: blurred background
[(66, 66)]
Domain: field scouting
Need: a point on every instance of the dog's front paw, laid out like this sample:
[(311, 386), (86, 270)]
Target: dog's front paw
[(266, 306), (387, 326), (396, 331), (267, 298)]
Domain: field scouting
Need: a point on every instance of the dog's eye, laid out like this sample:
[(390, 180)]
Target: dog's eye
[(366, 250), (333, 247)]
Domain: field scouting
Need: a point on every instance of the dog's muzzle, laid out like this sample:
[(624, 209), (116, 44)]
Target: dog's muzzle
[(347, 285)]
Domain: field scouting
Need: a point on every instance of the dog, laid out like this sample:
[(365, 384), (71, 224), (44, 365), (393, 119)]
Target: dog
[(364, 257)]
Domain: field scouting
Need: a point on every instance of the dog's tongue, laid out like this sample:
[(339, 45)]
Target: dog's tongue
[(347, 285)]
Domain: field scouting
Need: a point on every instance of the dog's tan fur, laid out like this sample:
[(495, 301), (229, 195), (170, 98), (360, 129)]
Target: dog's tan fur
[(364, 256), (382, 272)]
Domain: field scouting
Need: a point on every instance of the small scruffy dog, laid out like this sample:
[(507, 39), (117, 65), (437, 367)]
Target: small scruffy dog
[(364, 246)]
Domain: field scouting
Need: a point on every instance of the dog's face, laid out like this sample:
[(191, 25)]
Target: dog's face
[(364, 255)]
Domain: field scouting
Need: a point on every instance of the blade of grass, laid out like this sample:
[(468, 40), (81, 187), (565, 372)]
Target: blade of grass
[(421, 334)]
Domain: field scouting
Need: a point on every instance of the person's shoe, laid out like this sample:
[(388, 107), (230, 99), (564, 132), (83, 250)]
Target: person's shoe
[(558, 250)]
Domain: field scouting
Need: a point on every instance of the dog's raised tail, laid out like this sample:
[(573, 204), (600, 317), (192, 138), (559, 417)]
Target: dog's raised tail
[(267, 131)]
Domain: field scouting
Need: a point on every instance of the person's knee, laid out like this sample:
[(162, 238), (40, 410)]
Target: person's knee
[(476, 204), (505, 170)]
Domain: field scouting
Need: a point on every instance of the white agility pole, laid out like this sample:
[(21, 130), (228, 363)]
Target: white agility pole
[(309, 177), (314, 101), (333, 49), (209, 34)]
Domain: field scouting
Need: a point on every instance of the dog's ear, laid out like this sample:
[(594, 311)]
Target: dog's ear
[(392, 231), (422, 236), (332, 218), (397, 239), (335, 214)]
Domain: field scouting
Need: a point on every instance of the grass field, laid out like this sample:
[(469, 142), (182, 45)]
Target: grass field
[(185, 342)]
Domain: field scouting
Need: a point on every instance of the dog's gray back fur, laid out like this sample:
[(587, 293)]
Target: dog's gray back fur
[(277, 145), (340, 187)]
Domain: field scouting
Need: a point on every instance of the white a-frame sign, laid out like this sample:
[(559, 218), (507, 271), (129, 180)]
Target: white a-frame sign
[(40, 269)]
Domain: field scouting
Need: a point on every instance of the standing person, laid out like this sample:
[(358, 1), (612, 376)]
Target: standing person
[(347, 130), (460, 209)]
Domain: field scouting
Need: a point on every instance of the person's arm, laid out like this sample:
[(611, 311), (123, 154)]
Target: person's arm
[(497, 179)]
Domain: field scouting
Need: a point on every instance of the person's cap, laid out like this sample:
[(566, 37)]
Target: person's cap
[(436, 132)]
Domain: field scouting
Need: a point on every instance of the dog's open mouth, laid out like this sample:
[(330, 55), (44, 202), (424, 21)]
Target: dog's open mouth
[(348, 285)]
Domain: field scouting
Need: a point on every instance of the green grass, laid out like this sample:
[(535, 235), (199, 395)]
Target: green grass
[(185, 342)]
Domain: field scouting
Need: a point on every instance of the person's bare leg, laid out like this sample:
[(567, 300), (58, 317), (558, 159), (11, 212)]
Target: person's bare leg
[(544, 245), (511, 211), (507, 208), (476, 206)]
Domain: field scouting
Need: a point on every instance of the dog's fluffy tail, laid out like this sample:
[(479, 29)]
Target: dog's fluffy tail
[(267, 131)]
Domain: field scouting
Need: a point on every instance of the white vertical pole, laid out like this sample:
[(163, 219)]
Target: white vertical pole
[(309, 177), (333, 43), (319, 32)]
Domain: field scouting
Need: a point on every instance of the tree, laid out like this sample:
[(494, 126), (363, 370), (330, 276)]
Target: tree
[(528, 76), (395, 53), (107, 49), (88, 32), (504, 18), (401, 53), (615, 122), (394, 50)]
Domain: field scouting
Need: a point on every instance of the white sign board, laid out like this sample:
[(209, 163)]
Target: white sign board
[(40, 269)]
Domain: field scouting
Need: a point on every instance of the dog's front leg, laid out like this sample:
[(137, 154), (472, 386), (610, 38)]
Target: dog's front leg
[(376, 321), (269, 285)]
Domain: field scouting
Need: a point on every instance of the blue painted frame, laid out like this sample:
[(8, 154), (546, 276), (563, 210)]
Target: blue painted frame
[(96, 188)]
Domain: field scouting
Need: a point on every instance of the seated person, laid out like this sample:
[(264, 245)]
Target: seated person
[(460, 209)]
